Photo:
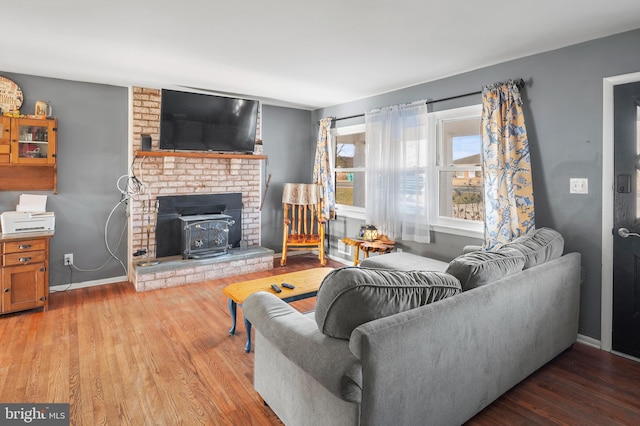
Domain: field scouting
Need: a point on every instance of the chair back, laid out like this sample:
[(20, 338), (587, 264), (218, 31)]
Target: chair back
[(302, 204), (303, 221)]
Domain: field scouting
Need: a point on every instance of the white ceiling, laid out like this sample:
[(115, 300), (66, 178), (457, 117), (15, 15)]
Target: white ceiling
[(291, 52)]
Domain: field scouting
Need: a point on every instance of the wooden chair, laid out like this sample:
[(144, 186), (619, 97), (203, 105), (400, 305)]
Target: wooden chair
[(303, 220)]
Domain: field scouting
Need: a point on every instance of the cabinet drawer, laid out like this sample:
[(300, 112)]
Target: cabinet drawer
[(24, 245), (23, 258)]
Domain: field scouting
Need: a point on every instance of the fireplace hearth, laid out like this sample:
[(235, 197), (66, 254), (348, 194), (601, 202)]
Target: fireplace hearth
[(172, 211)]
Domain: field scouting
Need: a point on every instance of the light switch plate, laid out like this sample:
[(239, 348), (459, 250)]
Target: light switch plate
[(578, 186)]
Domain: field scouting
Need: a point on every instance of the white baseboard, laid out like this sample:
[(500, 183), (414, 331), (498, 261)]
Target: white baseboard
[(632, 358), (93, 283), (598, 345), (589, 341)]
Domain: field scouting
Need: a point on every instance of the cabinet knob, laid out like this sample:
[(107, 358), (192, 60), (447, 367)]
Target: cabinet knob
[(24, 259), (24, 246), (43, 298), (6, 290)]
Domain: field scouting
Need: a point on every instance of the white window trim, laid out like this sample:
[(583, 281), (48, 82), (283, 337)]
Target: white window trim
[(443, 224), (342, 209)]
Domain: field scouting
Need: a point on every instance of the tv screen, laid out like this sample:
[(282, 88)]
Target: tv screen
[(199, 122)]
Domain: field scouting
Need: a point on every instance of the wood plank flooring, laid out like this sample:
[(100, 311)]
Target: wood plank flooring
[(165, 357)]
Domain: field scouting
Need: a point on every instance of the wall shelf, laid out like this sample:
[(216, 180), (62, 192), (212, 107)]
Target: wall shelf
[(195, 154)]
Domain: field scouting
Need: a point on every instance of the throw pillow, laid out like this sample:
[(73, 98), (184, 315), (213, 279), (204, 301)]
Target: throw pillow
[(482, 267), (351, 296), (542, 245)]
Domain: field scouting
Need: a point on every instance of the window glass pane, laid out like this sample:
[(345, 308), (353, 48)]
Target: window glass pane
[(462, 142), (350, 189), (350, 151), (415, 153), (466, 150), (461, 195), (413, 192)]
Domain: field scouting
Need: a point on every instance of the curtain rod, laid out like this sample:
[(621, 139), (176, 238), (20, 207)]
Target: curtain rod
[(520, 83)]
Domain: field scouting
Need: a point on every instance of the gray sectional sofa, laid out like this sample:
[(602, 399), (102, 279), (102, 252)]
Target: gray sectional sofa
[(406, 340)]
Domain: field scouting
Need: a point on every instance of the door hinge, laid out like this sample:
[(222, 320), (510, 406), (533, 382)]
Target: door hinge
[(43, 269)]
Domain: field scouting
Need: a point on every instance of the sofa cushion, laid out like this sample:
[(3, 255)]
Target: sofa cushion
[(404, 262), (542, 245), (482, 267), (350, 296)]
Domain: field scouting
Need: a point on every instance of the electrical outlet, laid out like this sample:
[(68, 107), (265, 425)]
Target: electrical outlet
[(68, 259), (578, 186)]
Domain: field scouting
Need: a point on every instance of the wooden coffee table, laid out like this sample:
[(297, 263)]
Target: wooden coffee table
[(306, 284)]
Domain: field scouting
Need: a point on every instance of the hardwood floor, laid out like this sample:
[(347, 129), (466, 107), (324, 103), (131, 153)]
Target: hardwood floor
[(165, 357)]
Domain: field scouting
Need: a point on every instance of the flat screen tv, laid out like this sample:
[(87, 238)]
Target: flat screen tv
[(199, 122)]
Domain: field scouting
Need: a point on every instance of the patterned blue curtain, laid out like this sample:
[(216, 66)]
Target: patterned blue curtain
[(508, 185), (322, 170)]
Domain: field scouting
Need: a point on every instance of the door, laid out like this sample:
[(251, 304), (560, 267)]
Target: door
[(23, 287), (626, 245)]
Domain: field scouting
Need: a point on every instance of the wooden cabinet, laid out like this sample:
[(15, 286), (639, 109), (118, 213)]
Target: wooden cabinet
[(28, 149), (33, 141), (5, 139), (24, 271)]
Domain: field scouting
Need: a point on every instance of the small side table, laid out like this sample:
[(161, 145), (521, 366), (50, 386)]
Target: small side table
[(377, 246), (381, 245)]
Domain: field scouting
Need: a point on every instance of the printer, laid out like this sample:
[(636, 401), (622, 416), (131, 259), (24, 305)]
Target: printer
[(30, 216)]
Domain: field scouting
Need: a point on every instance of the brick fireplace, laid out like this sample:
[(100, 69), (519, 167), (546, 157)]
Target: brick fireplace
[(176, 175)]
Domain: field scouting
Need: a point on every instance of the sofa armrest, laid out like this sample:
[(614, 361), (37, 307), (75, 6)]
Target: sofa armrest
[(296, 336)]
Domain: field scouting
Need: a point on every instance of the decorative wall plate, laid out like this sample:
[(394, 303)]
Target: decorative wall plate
[(10, 95)]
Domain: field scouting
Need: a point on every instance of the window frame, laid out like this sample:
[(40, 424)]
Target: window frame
[(463, 227), (343, 209)]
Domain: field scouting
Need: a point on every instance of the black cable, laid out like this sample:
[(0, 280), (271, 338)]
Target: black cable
[(70, 282)]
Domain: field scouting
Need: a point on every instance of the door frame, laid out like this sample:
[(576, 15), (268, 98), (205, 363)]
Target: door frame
[(608, 185)]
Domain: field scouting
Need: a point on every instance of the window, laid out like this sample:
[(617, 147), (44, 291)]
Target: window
[(459, 168), (349, 161), (456, 187)]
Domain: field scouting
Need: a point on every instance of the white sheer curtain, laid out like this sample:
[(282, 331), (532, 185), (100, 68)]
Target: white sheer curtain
[(399, 166)]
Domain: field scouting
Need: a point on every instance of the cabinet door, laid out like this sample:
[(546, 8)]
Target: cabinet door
[(5, 139), (33, 141), (23, 287)]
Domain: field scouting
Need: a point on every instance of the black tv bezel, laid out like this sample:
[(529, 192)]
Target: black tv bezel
[(214, 149)]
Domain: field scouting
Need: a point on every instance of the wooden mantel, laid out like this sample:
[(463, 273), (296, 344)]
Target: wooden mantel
[(198, 154)]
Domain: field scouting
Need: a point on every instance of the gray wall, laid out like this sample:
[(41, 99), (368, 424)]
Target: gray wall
[(290, 145), (563, 111), (92, 155)]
